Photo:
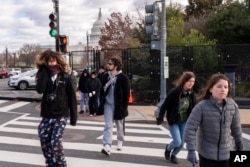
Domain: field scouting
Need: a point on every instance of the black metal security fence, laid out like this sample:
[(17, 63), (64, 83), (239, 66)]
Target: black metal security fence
[(142, 65)]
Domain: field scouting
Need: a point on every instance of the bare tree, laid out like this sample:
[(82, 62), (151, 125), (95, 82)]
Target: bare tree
[(28, 53)]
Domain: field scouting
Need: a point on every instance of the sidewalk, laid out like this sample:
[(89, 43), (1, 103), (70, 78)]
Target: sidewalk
[(137, 113)]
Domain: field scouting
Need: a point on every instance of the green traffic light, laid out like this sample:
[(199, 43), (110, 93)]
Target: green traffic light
[(53, 32)]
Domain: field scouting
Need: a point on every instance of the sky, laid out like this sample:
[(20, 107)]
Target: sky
[(27, 21)]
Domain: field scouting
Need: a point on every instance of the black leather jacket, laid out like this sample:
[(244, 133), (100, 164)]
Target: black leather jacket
[(65, 103)]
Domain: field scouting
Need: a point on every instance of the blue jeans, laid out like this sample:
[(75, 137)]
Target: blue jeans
[(177, 132)]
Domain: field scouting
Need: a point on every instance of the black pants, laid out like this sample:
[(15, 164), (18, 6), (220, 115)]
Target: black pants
[(213, 163), (93, 104)]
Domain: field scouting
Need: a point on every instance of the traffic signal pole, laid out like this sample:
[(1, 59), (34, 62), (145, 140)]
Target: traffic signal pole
[(164, 63), (56, 6)]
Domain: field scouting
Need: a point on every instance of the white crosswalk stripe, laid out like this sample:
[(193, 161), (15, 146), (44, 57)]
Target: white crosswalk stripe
[(25, 125)]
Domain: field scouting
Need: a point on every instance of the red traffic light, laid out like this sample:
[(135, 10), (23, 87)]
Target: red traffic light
[(63, 39)]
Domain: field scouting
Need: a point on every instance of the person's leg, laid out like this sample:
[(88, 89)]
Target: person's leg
[(44, 133), (179, 138), (86, 99), (95, 104), (176, 142), (81, 102), (56, 141), (120, 133), (175, 134), (108, 127), (91, 109)]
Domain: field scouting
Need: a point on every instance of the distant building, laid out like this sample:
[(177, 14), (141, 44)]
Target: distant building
[(95, 34)]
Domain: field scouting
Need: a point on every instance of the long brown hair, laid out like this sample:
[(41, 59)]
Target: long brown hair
[(44, 57), (211, 82), (187, 75)]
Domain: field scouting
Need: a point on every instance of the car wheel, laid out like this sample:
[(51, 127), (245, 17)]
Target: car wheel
[(3, 76), (23, 85)]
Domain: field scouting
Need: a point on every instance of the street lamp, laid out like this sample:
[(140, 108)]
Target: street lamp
[(164, 60), (87, 34)]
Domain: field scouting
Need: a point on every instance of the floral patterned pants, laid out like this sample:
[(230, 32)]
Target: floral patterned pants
[(50, 132)]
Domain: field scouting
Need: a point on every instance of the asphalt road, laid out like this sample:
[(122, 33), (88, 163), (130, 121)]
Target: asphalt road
[(20, 147)]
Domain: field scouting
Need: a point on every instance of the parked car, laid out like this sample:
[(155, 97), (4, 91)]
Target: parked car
[(24, 80), (4, 73), (14, 71)]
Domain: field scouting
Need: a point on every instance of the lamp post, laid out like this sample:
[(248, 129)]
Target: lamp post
[(87, 34), (163, 61), (6, 56)]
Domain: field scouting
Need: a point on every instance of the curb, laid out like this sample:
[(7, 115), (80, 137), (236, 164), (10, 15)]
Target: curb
[(22, 98)]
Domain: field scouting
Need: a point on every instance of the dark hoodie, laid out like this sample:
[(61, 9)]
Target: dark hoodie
[(83, 80)]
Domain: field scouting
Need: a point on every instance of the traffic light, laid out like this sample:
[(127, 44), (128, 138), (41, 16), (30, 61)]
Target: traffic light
[(63, 39), (53, 25), (152, 19)]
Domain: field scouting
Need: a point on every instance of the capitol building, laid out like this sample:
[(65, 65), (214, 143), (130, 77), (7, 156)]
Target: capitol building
[(82, 55)]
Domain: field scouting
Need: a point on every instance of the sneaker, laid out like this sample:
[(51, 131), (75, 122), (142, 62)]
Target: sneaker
[(81, 112), (91, 115), (106, 150), (174, 159), (167, 153), (119, 145)]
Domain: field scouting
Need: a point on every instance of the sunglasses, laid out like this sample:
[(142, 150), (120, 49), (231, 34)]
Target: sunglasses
[(110, 64)]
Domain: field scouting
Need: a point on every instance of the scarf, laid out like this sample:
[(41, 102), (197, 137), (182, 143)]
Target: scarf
[(111, 81), (53, 70)]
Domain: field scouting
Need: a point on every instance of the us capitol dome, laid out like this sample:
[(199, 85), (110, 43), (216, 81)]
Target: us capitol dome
[(95, 34)]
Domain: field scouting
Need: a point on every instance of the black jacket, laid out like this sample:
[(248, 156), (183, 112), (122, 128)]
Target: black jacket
[(82, 83), (121, 95), (65, 103), (171, 103), (93, 84)]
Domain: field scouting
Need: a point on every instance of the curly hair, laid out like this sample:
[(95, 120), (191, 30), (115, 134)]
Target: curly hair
[(44, 57)]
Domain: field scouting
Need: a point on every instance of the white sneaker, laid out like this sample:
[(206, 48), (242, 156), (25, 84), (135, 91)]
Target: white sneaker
[(106, 150), (119, 145)]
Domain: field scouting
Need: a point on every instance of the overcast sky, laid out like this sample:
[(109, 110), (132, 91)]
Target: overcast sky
[(26, 21)]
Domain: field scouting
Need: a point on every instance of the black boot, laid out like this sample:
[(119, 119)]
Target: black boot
[(167, 153), (174, 159)]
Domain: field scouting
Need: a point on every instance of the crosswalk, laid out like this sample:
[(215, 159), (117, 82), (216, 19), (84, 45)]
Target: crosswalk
[(144, 145)]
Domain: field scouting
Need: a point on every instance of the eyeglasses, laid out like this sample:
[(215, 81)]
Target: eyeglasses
[(110, 64)]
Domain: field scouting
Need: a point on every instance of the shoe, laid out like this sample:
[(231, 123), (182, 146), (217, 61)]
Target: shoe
[(90, 115), (119, 145), (106, 150), (167, 153), (81, 112), (174, 159)]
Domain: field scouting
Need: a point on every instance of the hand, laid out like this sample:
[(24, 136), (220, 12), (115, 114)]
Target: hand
[(238, 146), (90, 94), (159, 121), (93, 92), (191, 157)]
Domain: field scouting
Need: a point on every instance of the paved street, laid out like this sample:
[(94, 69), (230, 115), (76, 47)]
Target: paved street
[(20, 147)]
